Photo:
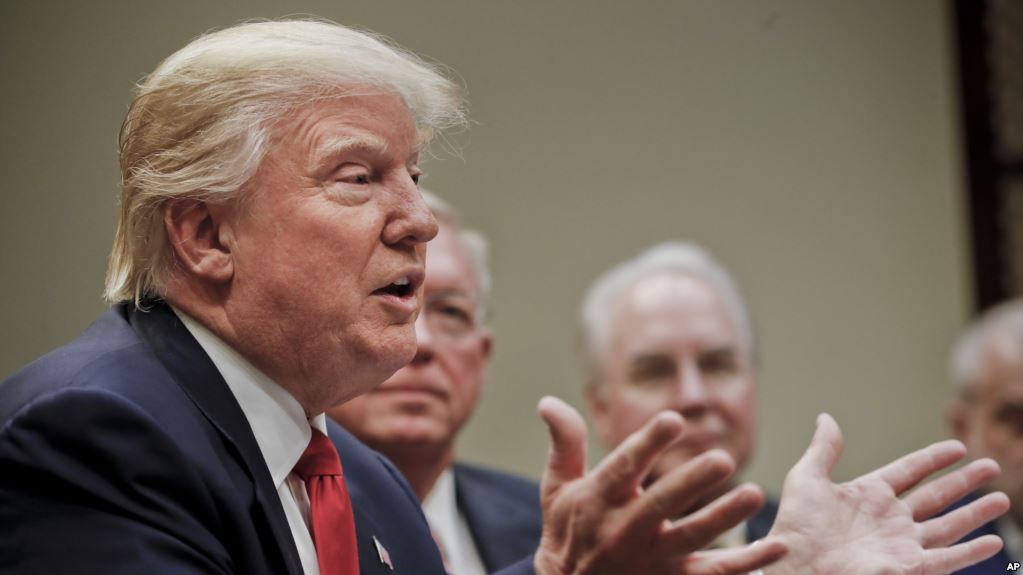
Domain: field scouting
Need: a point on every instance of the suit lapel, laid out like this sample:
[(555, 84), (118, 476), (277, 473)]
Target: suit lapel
[(479, 520), (186, 361)]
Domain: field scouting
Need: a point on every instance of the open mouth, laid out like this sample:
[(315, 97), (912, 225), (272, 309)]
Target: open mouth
[(401, 288)]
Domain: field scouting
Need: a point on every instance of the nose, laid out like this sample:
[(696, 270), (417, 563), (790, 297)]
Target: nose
[(691, 394), (412, 222), (424, 341)]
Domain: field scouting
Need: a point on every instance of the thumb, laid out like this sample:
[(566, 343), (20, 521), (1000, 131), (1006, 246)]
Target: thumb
[(825, 448), (566, 459)]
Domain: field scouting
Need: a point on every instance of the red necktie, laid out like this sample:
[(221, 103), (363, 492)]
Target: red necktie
[(330, 508)]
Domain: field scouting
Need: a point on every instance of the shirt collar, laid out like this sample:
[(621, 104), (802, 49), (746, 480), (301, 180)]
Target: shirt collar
[(277, 419), (441, 506)]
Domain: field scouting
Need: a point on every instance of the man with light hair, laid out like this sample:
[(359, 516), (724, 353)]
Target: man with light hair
[(268, 265), (669, 330), (987, 416), (483, 519)]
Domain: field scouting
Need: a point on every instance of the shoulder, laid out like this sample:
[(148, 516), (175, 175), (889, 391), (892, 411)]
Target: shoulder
[(478, 486), (108, 371), (105, 355), (476, 477), (127, 486)]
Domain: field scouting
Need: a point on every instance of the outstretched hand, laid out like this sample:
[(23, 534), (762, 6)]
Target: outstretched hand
[(863, 526), (605, 522)]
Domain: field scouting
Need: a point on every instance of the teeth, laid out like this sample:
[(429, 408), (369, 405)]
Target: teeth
[(402, 281)]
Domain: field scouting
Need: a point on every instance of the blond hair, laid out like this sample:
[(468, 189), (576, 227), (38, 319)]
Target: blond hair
[(200, 124)]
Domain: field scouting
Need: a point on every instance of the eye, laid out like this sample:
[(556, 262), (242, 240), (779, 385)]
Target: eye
[(353, 173), (719, 362), (652, 369), (456, 312), (415, 178)]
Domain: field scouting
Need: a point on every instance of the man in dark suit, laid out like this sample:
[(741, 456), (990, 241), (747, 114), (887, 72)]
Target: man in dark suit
[(483, 519), (268, 265), (987, 416)]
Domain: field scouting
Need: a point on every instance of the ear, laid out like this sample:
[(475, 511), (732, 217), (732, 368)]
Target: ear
[(486, 344), (200, 239), (957, 417)]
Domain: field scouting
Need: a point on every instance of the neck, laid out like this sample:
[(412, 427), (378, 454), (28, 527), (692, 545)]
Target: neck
[(421, 466)]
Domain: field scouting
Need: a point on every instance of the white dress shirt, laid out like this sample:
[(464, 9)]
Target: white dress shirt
[(451, 529), (280, 426)]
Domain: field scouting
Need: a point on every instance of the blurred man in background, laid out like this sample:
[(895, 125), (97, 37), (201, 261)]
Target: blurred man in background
[(987, 416), (668, 330), (483, 519)]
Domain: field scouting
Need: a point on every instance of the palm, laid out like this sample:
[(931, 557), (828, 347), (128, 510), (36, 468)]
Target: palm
[(863, 526)]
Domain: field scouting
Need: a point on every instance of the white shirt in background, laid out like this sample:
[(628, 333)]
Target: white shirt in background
[(450, 528)]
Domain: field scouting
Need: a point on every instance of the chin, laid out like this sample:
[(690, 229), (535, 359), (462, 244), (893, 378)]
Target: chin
[(389, 355)]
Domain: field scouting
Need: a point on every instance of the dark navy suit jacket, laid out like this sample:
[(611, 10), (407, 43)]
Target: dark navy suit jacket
[(125, 452), (994, 564), (758, 526), (503, 513)]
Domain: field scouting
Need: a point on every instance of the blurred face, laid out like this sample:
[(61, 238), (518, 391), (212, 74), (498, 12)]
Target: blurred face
[(991, 422), (426, 402), (676, 347), (328, 246)]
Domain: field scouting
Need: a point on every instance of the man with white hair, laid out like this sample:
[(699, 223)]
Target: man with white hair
[(987, 416), (268, 265), (669, 330), (483, 519)]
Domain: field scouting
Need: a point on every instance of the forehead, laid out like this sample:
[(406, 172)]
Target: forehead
[(448, 265), (374, 122), (1002, 368), (671, 310)]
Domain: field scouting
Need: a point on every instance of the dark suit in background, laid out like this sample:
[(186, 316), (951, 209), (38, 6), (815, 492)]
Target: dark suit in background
[(503, 513), (758, 526)]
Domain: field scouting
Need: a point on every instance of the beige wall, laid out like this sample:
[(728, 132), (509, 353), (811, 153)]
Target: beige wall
[(812, 145)]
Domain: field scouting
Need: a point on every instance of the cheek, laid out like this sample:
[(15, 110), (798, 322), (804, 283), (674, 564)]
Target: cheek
[(465, 372), (630, 409)]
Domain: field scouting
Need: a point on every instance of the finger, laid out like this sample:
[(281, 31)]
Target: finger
[(624, 469), (566, 459), (908, 470), (677, 491), (934, 497), (825, 448), (949, 559), (700, 529), (947, 529), (735, 561)]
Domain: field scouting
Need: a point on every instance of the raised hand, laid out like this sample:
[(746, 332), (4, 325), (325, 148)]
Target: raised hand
[(863, 526), (605, 522)]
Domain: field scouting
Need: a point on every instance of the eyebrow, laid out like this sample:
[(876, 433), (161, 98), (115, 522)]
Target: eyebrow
[(648, 360), (335, 147)]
